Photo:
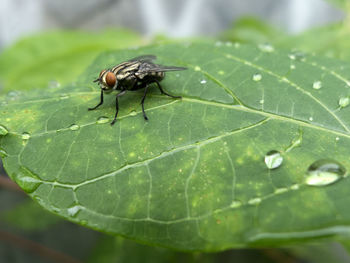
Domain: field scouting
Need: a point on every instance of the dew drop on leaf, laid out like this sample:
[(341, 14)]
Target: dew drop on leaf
[(3, 130), (74, 210), (27, 180), (254, 201), (257, 77), (102, 120), (311, 119), (203, 81), (344, 101), (317, 85), (53, 84), (266, 48), (235, 204), (324, 172), (74, 127), (294, 187), (64, 96), (221, 72), (280, 190), (133, 113), (292, 56), (3, 153), (197, 68), (273, 159), (292, 66), (25, 136)]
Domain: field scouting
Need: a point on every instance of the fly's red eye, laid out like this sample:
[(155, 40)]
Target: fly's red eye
[(110, 79)]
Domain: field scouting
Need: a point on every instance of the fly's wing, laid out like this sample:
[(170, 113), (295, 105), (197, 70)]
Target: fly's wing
[(168, 68), (150, 67), (144, 58)]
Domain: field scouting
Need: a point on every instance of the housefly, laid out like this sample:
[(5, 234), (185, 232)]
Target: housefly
[(134, 74)]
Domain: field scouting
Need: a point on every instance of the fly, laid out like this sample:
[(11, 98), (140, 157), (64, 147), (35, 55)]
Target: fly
[(134, 74)]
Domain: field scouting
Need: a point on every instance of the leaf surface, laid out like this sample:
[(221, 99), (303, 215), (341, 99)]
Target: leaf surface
[(193, 177)]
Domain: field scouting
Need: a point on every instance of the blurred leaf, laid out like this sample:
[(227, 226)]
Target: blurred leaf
[(56, 58), (111, 249), (340, 3), (29, 216), (199, 175), (252, 30), (331, 40), (320, 253)]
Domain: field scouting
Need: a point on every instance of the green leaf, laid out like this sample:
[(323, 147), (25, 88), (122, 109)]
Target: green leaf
[(195, 176), (340, 3), (252, 30), (331, 40), (56, 58)]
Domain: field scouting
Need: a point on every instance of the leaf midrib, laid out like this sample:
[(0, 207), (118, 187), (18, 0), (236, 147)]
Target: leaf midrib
[(193, 100)]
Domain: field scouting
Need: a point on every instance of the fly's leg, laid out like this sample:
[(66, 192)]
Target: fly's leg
[(165, 93), (101, 102), (117, 106), (143, 101)]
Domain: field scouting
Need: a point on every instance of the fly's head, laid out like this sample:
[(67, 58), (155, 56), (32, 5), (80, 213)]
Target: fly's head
[(107, 80)]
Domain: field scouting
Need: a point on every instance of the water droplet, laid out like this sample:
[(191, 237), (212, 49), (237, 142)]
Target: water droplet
[(311, 119), (74, 210), (344, 101), (324, 172), (203, 81), (74, 127), (292, 66), (53, 84), (292, 56), (133, 113), (228, 44), (317, 85), (3, 153), (221, 72), (3, 130), (297, 55), (197, 68), (102, 120), (281, 190), (257, 77), (337, 138), (261, 101), (55, 209), (294, 187), (254, 201), (273, 159), (235, 204), (237, 45), (13, 94), (25, 136), (27, 180), (296, 142), (266, 48), (64, 96)]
